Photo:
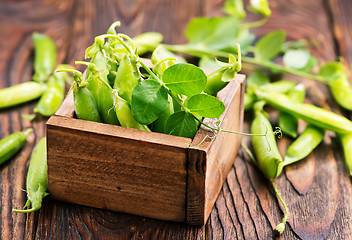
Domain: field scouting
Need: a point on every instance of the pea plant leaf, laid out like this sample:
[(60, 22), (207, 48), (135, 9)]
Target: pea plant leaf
[(257, 79), (270, 45), (205, 105), (218, 33), (300, 59), (149, 100), (181, 124), (185, 79)]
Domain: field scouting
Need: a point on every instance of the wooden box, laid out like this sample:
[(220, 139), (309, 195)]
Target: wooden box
[(148, 174)]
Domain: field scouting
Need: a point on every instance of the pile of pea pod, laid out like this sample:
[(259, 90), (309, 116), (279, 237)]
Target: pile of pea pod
[(288, 97), (46, 85), (49, 87), (104, 92)]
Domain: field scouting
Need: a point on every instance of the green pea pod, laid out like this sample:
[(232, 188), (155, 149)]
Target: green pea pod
[(214, 81), (341, 90), (124, 114), (282, 86), (311, 114), (20, 93), (287, 122), (36, 182), (127, 77), (338, 82), (304, 144), (44, 57), (219, 78), (85, 105), (346, 140), (11, 144), (54, 95), (102, 93), (267, 154)]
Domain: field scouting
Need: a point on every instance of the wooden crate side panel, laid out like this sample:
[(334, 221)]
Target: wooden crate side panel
[(126, 175), (196, 169), (203, 181), (223, 151)]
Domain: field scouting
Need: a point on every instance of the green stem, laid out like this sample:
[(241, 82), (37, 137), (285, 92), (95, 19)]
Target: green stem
[(275, 66), (199, 51), (256, 24), (281, 226)]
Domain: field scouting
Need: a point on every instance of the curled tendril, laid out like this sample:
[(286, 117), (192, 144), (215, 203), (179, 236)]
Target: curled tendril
[(207, 136), (278, 132)]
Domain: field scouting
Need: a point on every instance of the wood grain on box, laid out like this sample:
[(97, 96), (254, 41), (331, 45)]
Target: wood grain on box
[(142, 173)]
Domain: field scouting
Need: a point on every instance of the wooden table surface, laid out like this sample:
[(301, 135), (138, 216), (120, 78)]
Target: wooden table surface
[(318, 190)]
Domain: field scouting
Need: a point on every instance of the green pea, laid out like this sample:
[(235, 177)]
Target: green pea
[(36, 182), (304, 144), (44, 57), (124, 114), (20, 93), (265, 148), (127, 78), (311, 114), (287, 122), (54, 95), (11, 144), (346, 140)]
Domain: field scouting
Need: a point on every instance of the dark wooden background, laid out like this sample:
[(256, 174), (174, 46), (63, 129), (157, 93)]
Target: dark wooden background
[(318, 190)]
